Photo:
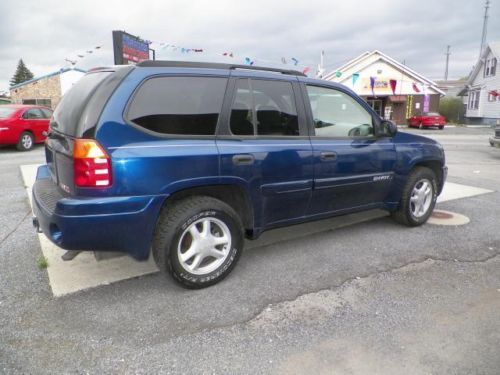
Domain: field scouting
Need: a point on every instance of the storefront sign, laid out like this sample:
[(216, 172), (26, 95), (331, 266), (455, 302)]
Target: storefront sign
[(129, 49)]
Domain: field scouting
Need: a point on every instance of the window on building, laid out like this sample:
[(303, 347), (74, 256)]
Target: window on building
[(263, 107), (337, 114), (179, 105), (474, 97), (43, 102), (490, 67)]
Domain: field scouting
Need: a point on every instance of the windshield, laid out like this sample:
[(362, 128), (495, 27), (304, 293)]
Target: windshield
[(68, 112), (6, 112)]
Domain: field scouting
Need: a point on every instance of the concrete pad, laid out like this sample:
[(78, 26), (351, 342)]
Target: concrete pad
[(453, 191), (85, 272), (441, 217)]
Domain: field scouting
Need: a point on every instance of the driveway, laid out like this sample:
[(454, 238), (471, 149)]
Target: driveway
[(368, 298)]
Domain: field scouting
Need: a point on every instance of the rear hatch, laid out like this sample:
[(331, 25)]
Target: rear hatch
[(76, 116)]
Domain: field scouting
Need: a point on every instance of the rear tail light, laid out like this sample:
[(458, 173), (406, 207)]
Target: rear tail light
[(92, 165)]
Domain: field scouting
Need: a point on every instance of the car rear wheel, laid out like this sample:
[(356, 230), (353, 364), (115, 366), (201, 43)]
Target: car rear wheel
[(198, 240), (418, 198), (441, 127), (26, 141)]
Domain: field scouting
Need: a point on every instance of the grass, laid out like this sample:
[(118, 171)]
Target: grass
[(42, 263)]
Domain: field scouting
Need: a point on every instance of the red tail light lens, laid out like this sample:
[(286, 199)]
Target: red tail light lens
[(91, 164)]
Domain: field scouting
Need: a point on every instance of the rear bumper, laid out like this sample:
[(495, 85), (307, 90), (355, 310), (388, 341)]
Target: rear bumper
[(495, 142), (90, 223)]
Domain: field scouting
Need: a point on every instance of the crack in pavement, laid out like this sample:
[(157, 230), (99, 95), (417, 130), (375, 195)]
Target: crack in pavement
[(420, 260)]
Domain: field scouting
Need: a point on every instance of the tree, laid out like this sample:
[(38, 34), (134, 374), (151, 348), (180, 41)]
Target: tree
[(452, 108), (22, 74)]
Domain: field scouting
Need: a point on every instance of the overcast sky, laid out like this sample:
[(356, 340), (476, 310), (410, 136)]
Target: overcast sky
[(45, 32)]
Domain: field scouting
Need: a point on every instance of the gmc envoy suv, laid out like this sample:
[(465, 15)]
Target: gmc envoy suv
[(184, 160)]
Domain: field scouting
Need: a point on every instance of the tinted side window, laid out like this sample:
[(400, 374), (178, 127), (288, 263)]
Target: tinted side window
[(264, 108), (336, 114), (69, 110), (33, 114), (179, 105), (241, 121), (275, 108)]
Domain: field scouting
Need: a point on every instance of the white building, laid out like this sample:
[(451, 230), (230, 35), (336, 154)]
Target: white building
[(483, 88), (392, 89)]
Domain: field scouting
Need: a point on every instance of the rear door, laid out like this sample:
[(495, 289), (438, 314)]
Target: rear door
[(34, 120), (264, 146), (353, 168)]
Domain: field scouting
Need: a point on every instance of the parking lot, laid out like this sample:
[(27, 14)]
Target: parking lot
[(356, 295)]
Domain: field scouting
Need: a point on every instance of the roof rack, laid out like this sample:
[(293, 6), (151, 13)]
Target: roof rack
[(192, 64)]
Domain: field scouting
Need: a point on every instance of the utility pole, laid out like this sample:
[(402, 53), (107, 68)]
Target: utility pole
[(448, 53), (321, 69), (485, 26)]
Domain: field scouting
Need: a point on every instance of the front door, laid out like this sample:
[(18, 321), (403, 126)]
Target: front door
[(264, 146), (377, 106), (353, 168)]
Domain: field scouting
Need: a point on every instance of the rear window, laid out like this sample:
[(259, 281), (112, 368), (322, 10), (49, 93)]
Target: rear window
[(178, 105), (6, 112), (433, 114), (68, 112)]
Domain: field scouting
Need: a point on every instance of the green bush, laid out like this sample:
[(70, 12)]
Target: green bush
[(452, 108)]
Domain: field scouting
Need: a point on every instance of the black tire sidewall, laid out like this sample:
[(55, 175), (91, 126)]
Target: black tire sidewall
[(421, 174), (224, 269)]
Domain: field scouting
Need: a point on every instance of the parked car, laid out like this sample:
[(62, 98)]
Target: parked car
[(427, 120), (495, 140), (185, 160), (23, 125)]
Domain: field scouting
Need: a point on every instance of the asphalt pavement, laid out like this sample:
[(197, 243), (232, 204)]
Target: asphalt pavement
[(369, 298)]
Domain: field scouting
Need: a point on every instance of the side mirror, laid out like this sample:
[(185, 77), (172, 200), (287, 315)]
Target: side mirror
[(387, 128)]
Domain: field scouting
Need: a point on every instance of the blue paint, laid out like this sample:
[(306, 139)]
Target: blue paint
[(287, 183)]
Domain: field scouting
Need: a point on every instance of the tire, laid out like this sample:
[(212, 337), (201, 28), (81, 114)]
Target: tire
[(441, 127), (420, 126), (407, 212), (174, 238), (26, 141)]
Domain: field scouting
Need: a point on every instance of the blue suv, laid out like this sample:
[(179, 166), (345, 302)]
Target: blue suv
[(184, 160)]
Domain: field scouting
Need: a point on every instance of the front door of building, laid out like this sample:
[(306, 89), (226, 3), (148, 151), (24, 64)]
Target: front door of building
[(377, 106)]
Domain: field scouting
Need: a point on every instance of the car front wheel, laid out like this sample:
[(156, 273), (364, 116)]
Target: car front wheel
[(199, 240), (418, 198), (26, 141)]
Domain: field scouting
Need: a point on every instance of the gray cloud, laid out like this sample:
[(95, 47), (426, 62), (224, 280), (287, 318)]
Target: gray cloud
[(45, 32)]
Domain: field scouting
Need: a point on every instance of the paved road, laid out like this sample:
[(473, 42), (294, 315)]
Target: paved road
[(371, 298)]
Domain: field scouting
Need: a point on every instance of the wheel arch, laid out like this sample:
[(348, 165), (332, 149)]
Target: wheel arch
[(434, 165), (234, 195)]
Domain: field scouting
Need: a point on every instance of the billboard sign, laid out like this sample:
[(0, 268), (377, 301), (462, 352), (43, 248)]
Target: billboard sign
[(129, 49)]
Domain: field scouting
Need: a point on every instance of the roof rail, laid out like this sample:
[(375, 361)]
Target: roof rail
[(192, 64)]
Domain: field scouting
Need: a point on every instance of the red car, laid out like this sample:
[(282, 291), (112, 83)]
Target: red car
[(427, 120), (23, 125)]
